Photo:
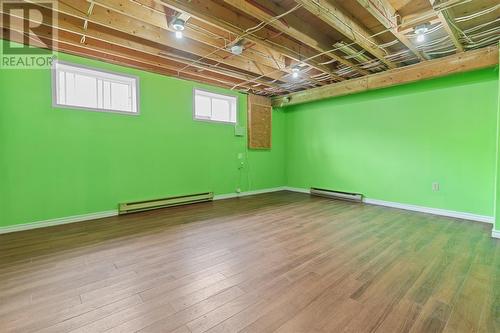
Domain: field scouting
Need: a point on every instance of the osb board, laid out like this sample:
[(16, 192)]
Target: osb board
[(259, 122)]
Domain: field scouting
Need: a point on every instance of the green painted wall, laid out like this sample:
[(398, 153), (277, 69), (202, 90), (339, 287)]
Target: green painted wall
[(392, 144), (63, 162), (497, 188)]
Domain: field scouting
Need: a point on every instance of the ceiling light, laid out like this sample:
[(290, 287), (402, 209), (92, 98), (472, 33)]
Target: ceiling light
[(420, 31), (178, 26), (295, 72), (237, 48)]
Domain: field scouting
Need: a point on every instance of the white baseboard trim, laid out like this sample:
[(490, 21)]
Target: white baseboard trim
[(495, 233), (246, 193), (297, 189), (415, 208), (99, 215), (429, 210), (58, 221)]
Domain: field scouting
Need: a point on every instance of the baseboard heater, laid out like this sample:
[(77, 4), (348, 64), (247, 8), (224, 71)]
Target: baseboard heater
[(139, 206), (356, 197)]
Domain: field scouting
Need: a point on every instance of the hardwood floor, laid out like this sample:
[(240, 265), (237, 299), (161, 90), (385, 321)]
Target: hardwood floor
[(281, 262)]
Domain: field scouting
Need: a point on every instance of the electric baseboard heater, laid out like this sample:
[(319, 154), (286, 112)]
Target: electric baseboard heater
[(355, 197), (139, 206)]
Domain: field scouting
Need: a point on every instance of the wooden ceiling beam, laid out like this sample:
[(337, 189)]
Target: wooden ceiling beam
[(445, 17), (67, 38), (148, 12), (119, 22), (75, 26), (216, 14), (91, 52), (293, 27), (385, 13), (345, 25), (407, 23), (456, 63)]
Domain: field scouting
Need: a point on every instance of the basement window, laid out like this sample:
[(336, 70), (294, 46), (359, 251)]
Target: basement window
[(92, 89), (214, 107)]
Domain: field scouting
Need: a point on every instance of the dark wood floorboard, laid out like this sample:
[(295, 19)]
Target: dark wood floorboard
[(279, 262)]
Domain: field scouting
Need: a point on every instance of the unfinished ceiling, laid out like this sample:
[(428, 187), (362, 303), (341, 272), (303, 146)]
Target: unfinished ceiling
[(285, 45)]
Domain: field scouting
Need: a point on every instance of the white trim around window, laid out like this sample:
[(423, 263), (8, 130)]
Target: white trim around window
[(215, 107), (85, 88)]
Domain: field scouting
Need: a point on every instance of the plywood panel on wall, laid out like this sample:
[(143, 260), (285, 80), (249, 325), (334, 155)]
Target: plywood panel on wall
[(259, 122)]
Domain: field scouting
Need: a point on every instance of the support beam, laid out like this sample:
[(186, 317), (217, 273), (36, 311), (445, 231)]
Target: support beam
[(344, 24), (222, 17), (152, 13), (445, 17), (119, 22), (383, 11), (74, 26), (457, 63), (293, 27), (90, 52)]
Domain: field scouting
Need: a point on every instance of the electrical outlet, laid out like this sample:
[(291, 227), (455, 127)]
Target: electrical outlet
[(435, 186)]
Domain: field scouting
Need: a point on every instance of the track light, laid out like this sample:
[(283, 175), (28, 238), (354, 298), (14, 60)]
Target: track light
[(178, 26), (420, 31), (295, 72)]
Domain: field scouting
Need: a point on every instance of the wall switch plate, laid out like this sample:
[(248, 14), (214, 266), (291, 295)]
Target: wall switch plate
[(435, 186), (239, 130)]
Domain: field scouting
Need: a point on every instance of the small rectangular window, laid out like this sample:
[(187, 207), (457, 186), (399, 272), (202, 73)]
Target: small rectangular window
[(92, 89), (214, 107)]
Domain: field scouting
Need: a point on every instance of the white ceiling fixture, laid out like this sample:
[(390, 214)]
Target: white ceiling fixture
[(420, 31), (237, 48), (179, 26)]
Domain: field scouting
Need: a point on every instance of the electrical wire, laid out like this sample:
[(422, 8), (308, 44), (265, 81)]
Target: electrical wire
[(246, 33), (480, 13), (416, 19)]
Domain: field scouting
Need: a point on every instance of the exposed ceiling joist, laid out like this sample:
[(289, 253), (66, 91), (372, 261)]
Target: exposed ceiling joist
[(92, 51), (123, 23), (220, 16), (73, 26), (383, 11), (446, 19), (456, 63), (148, 14), (293, 27), (344, 24), (265, 47)]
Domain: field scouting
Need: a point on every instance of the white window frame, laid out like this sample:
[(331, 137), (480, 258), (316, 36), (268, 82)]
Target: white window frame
[(104, 74), (227, 97)]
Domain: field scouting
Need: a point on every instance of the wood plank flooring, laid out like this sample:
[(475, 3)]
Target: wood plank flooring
[(280, 262)]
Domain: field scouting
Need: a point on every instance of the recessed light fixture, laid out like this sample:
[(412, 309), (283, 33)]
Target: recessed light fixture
[(178, 26), (420, 31)]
